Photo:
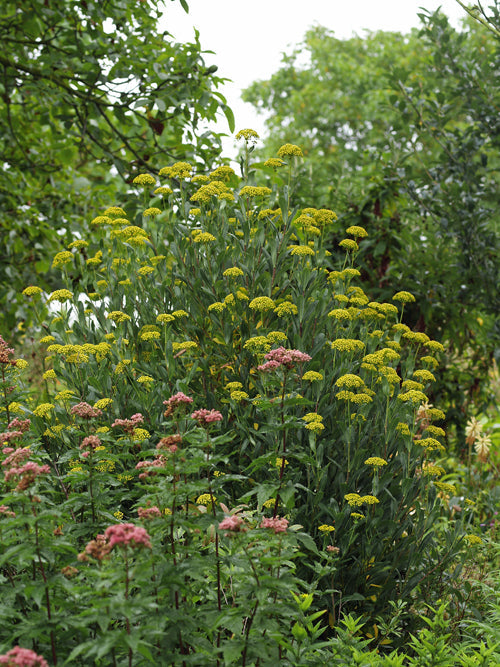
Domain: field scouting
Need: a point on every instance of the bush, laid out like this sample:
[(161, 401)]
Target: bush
[(235, 446)]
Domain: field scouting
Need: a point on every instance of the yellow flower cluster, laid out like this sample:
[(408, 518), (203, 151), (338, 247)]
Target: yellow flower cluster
[(262, 303), (355, 500), (43, 410), (164, 318), (247, 135), (313, 422), (325, 528), (62, 258), (178, 170), (347, 345), (375, 461), (144, 179), (118, 316), (403, 297), (60, 295), (254, 191), (312, 376), (203, 237), (286, 308), (233, 272), (289, 150)]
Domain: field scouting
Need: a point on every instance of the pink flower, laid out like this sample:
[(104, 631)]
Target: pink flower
[(4, 509), (7, 436), (205, 416), (90, 442), (129, 425), (21, 424), (232, 523), (127, 534), (269, 366), (276, 524), (148, 512), (178, 399), (26, 474), (22, 657), (85, 411), (286, 357), (17, 456)]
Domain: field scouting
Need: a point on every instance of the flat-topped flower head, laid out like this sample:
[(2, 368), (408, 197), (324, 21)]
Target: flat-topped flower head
[(204, 416), (404, 297), (247, 135), (290, 150), (144, 180), (276, 524), (22, 657), (127, 535)]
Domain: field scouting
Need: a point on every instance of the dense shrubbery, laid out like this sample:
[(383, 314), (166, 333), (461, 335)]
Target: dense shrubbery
[(234, 450)]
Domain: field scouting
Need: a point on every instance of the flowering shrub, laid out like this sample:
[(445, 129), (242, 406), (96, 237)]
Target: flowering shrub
[(228, 419)]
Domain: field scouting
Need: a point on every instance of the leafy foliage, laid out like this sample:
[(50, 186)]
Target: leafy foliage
[(91, 92)]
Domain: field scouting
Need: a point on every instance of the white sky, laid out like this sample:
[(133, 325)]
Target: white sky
[(248, 39)]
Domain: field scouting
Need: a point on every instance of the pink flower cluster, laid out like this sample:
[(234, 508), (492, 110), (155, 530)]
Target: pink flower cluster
[(129, 425), (5, 353), (170, 443), (127, 535), (90, 442), (16, 429), (175, 401), (282, 358), (233, 523), (205, 416), (148, 512), (85, 411), (4, 509), (20, 469), (22, 657), (158, 462), (276, 524)]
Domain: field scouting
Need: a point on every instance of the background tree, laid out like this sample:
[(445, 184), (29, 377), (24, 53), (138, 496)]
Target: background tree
[(401, 134), (91, 93)]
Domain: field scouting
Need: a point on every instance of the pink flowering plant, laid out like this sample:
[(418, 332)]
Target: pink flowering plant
[(234, 446)]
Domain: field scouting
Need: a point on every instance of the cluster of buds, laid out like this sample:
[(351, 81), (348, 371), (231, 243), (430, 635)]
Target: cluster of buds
[(129, 425), (158, 462), (204, 416), (170, 443), (282, 358), (20, 469), (175, 401), (85, 411), (5, 353), (120, 535)]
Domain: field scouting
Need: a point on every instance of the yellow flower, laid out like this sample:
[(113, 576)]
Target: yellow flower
[(347, 345), (185, 345), (62, 258), (218, 307), (238, 395), (404, 297), (164, 318), (350, 380), (288, 150), (357, 232), (145, 270), (60, 295), (269, 503), (254, 191), (276, 336), (230, 386), (349, 244), (115, 212), (151, 212), (247, 135), (102, 403), (50, 375), (274, 162), (301, 250), (145, 379), (150, 335), (262, 303), (118, 515), (43, 409), (286, 308), (32, 290), (340, 314), (412, 396), (21, 364), (179, 314), (233, 272), (163, 190), (145, 180), (205, 499), (118, 316), (312, 376), (140, 434), (472, 540), (325, 528), (353, 499), (101, 220), (376, 462), (177, 170), (204, 237), (257, 344)]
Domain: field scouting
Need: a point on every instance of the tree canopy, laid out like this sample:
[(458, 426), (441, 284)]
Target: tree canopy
[(91, 93)]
